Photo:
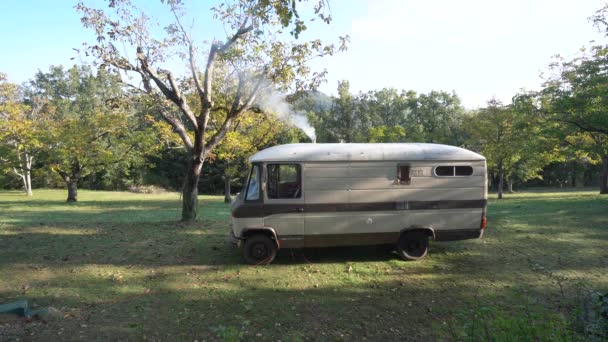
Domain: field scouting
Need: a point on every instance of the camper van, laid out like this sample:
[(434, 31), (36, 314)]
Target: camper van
[(324, 195)]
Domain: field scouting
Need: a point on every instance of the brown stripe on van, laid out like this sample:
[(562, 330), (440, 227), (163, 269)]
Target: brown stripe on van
[(262, 210), (364, 239)]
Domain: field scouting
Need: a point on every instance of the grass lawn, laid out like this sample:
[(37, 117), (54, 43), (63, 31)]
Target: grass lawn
[(119, 266)]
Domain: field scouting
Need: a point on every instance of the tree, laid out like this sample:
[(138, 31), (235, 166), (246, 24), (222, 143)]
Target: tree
[(91, 126), (343, 124), (20, 133), (315, 106), (342, 120), (250, 133), (256, 55), (576, 95), (386, 107), (386, 134), (508, 141), (434, 117)]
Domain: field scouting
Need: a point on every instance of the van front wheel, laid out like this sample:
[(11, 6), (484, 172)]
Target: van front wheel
[(259, 250), (413, 245)]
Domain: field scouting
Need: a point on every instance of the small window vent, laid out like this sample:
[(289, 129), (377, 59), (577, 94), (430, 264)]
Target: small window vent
[(403, 175)]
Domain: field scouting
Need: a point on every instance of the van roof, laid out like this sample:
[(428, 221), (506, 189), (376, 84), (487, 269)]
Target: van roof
[(364, 152)]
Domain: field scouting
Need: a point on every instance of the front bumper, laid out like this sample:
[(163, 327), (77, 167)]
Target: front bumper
[(235, 240)]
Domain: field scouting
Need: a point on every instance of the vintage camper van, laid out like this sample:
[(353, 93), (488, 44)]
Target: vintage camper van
[(322, 195)]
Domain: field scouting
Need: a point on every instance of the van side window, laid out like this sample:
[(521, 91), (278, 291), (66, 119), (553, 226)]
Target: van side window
[(451, 171), (444, 171), (403, 175), (463, 171), (284, 181)]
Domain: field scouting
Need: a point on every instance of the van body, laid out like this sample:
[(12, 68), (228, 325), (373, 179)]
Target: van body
[(322, 195)]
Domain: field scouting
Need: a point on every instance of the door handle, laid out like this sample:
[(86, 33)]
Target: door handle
[(300, 210)]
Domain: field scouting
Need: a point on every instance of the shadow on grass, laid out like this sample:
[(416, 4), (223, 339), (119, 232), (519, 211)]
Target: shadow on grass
[(69, 239), (185, 282), (206, 302), (32, 213), (333, 313)]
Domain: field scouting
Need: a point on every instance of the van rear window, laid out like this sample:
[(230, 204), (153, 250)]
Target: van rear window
[(451, 171)]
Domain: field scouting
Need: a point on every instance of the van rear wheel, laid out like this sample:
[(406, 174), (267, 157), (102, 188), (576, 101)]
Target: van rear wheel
[(259, 250), (413, 245)]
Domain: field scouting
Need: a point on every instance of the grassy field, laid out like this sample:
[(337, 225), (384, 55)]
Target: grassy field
[(119, 266)]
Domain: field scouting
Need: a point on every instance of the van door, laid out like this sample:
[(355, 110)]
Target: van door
[(326, 185), (284, 203)]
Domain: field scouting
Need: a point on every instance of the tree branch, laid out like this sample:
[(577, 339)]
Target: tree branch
[(17, 172), (177, 125), (173, 94), (221, 132), (179, 128), (581, 126), (181, 101), (243, 30), (217, 49), (191, 52)]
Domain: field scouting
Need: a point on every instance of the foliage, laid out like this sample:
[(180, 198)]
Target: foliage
[(386, 134), (388, 107), (203, 106), (91, 128), (387, 116), (345, 120), (435, 117), (576, 96), (21, 133), (250, 133), (513, 145)]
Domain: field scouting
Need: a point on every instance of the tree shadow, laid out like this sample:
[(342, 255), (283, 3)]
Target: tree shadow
[(200, 304), (187, 281)]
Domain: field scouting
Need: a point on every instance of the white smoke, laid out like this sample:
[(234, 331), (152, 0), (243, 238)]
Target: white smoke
[(275, 102)]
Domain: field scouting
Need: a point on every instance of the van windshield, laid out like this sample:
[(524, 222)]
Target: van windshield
[(253, 184)]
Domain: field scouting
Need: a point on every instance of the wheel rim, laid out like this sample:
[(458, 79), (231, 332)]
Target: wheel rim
[(414, 247), (259, 251)]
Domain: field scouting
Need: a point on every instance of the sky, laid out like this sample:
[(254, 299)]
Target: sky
[(477, 48)]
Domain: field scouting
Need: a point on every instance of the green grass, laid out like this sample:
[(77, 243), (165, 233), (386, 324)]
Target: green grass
[(119, 266)]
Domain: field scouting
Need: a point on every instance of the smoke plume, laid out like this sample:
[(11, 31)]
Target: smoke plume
[(275, 102)]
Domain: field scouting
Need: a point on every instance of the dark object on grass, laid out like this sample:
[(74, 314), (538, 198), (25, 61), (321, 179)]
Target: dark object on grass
[(604, 305), (21, 308)]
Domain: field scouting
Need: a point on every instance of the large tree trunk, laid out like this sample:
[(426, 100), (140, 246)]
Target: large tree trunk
[(28, 174), (501, 180), (25, 166), (190, 190), (573, 180), (227, 190), (587, 176), (604, 176), (72, 190), (28, 182), (510, 186)]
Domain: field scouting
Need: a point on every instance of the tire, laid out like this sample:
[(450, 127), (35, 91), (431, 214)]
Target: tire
[(413, 245), (259, 250)]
